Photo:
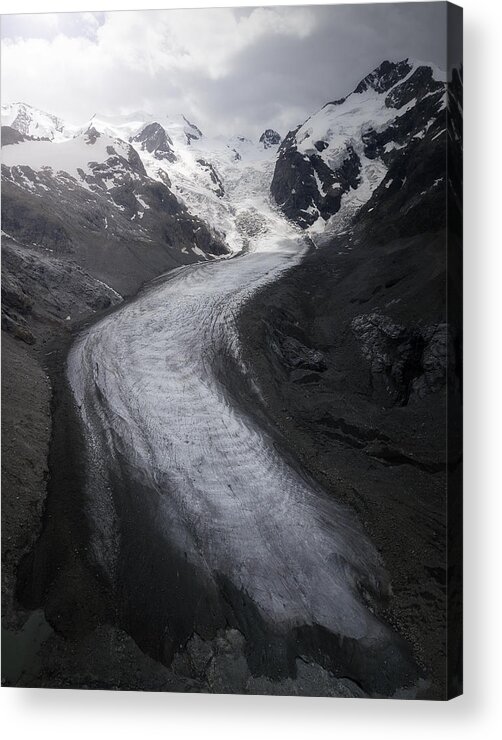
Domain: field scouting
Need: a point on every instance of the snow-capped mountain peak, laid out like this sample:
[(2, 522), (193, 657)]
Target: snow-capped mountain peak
[(127, 160), (385, 76), (130, 126), (334, 161), (31, 121), (154, 139)]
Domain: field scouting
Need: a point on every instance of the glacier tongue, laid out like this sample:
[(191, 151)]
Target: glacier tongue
[(153, 387)]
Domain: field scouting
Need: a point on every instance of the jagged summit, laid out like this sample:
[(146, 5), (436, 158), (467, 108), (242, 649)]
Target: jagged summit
[(270, 138), (388, 74), (154, 139), (91, 135), (385, 76), (129, 126)]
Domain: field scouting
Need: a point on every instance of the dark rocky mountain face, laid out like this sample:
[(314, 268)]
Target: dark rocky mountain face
[(192, 132), (40, 289), (350, 148), (155, 140), (124, 235), (391, 303), (270, 138), (384, 77), (414, 192), (11, 136)]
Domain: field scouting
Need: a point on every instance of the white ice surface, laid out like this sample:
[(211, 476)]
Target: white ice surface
[(245, 180)]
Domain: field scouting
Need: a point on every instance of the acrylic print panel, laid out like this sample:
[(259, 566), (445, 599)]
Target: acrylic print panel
[(231, 334)]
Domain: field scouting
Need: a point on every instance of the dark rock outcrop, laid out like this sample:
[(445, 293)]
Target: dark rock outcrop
[(306, 187), (302, 363), (270, 138), (409, 362), (155, 139), (192, 132), (216, 182), (91, 135), (417, 86), (11, 136), (384, 77)]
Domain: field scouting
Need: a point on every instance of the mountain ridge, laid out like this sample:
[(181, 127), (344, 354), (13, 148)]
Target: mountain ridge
[(332, 163)]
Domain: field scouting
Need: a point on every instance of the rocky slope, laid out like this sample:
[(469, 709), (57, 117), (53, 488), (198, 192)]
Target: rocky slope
[(90, 199), (358, 350)]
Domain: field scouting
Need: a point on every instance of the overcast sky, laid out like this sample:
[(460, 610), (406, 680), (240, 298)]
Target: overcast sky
[(228, 70)]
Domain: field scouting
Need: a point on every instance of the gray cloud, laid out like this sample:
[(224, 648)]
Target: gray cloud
[(231, 71)]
